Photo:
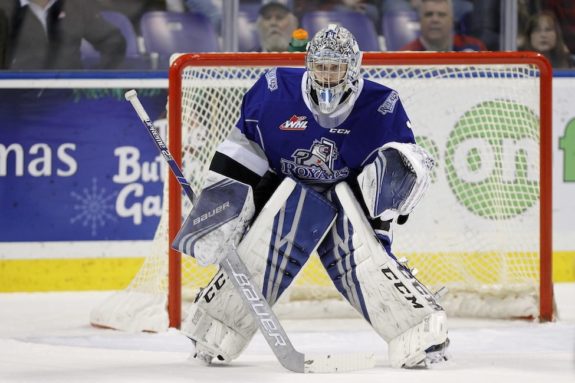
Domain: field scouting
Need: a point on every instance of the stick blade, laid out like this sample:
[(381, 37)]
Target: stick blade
[(329, 363)]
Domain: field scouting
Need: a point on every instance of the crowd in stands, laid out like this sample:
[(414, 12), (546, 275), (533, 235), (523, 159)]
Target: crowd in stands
[(65, 34)]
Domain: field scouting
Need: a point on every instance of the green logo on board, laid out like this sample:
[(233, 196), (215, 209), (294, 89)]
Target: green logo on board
[(492, 159), (567, 144)]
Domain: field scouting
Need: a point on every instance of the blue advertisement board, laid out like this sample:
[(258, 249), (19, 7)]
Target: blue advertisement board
[(77, 165)]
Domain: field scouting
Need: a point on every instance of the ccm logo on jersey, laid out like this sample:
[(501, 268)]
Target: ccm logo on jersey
[(295, 123), (210, 214), (339, 131)]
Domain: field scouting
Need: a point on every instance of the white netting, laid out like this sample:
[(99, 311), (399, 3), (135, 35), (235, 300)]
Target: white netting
[(477, 230)]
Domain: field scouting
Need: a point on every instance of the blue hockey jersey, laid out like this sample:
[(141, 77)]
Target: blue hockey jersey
[(277, 130)]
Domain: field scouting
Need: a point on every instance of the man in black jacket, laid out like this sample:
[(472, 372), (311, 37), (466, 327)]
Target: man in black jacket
[(47, 34)]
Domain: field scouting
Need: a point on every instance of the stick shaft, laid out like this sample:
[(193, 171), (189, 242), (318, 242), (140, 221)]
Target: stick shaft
[(234, 267), (139, 108)]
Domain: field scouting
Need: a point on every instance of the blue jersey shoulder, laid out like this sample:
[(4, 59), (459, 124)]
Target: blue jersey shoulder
[(280, 80), (379, 116)]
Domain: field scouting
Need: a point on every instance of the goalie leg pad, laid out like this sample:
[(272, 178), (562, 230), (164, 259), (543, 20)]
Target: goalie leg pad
[(384, 291), (289, 228), (207, 326), (423, 343)]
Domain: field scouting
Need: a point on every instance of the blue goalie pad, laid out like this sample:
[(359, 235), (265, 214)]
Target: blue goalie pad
[(337, 255), (297, 229)]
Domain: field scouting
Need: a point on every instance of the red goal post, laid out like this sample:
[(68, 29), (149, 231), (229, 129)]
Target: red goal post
[(401, 62)]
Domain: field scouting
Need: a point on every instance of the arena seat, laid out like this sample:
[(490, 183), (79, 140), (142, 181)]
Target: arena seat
[(133, 60), (399, 28), (358, 24), (165, 33), (248, 38)]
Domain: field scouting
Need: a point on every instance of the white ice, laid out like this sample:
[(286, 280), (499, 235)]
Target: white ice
[(46, 337)]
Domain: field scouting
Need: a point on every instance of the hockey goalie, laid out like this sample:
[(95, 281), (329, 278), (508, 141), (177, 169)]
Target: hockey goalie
[(320, 160)]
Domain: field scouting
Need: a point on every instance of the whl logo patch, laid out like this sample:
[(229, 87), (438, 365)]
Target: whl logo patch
[(295, 123)]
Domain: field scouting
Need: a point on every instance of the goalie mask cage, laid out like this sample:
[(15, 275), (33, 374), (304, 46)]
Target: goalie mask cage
[(483, 229)]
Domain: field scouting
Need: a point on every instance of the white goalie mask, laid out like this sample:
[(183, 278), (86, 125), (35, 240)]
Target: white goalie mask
[(333, 61)]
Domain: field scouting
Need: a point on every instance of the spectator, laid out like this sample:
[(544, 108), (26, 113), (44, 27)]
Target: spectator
[(275, 24), (47, 34), (525, 9), (565, 12), (436, 18), (546, 38)]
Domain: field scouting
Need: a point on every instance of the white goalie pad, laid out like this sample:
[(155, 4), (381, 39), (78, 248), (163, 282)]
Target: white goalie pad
[(283, 236), (394, 183), (218, 219), (399, 307)]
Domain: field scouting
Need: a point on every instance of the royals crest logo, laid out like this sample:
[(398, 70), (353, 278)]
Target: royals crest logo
[(295, 123), (315, 164)]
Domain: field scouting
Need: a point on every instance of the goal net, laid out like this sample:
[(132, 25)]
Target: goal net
[(483, 230)]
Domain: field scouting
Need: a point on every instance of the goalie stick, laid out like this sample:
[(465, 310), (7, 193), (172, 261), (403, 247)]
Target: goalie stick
[(259, 308)]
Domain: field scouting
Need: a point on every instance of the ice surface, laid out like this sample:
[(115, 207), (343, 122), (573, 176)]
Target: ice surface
[(46, 337)]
